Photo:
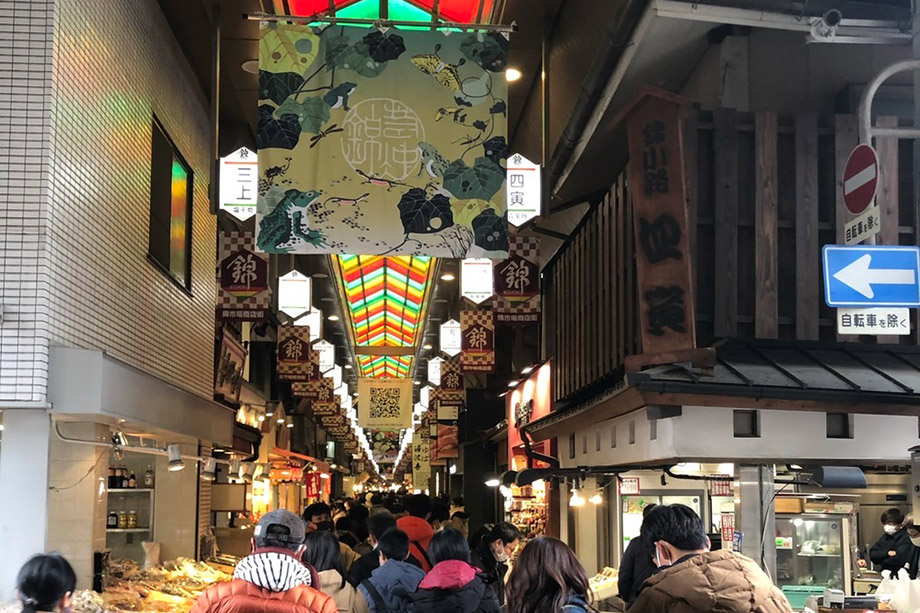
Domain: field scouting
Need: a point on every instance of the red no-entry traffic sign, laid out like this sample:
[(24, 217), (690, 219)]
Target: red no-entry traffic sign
[(860, 178)]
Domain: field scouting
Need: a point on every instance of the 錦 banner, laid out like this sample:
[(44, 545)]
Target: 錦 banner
[(244, 293), (451, 392), (478, 341), (382, 142), (517, 282), (293, 353), (385, 404)]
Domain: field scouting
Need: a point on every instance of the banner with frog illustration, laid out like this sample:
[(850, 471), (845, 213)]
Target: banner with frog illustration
[(382, 142)]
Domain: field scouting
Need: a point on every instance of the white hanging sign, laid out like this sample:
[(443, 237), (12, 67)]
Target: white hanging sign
[(295, 294), (476, 279), (424, 397), (336, 377), (451, 339), (239, 183), (314, 319), (523, 189), (326, 355), (434, 371)]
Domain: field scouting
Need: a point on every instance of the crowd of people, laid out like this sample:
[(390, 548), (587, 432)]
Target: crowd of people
[(412, 554)]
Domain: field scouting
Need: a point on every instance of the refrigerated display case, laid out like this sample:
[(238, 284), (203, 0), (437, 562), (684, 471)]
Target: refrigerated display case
[(813, 550), (632, 506)]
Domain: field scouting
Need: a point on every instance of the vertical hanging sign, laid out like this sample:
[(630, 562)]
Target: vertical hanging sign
[(451, 339), (326, 355), (476, 280), (523, 188), (477, 341), (313, 320), (656, 180), (421, 462), (294, 294), (293, 353), (434, 371), (239, 183), (517, 283), (244, 293), (451, 392)]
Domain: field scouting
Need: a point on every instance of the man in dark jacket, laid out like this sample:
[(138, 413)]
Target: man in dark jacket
[(692, 579), (893, 551), (637, 565), (377, 525), (390, 586), (492, 556)]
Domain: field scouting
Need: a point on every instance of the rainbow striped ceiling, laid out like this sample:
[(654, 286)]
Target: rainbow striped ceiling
[(460, 11), (385, 296), (385, 366)]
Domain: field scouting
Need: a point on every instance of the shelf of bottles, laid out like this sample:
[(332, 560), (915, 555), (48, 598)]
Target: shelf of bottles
[(130, 498)]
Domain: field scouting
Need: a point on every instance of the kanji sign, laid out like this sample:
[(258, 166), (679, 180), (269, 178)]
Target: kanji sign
[(881, 321), (239, 183), (629, 486), (294, 294), (477, 341), (860, 178), (293, 353), (326, 355), (229, 372), (434, 370), (451, 341), (862, 227), (244, 293), (517, 282), (523, 189), (421, 461), (878, 275), (476, 279)]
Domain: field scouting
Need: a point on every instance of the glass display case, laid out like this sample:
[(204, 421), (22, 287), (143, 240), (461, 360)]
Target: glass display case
[(813, 550), (632, 506)]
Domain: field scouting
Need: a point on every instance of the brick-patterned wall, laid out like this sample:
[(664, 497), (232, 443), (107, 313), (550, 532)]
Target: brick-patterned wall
[(25, 128), (116, 64)]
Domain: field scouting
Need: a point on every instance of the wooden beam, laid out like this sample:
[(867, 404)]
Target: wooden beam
[(725, 143), (846, 136), (807, 248), (887, 195), (766, 232)]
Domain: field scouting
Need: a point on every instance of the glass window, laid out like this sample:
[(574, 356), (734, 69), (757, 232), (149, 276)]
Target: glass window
[(170, 239)]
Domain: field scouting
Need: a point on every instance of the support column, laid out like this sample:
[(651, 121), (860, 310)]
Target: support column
[(915, 480), (756, 516), (24, 458)]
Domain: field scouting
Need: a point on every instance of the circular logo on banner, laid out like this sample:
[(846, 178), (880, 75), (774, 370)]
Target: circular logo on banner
[(860, 179)]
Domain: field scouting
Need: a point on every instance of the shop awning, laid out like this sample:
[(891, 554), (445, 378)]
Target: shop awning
[(763, 374), (320, 465)]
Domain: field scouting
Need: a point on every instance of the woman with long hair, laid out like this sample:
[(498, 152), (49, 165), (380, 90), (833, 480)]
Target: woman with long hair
[(453, 585), (548, 578), (46, 583), (323, 554)]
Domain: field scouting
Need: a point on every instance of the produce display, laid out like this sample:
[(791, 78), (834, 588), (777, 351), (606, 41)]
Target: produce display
[(170, 588)]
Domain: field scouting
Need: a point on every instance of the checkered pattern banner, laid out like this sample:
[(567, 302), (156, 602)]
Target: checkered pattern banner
[(318, 390), (324, 408), (451, 392), (517, 283), (294, 353), (477, 330), (244, 293)]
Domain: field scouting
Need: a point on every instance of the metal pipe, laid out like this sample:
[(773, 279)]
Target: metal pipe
[(384, 23), (132, 449), (866, 131), (215, 111)]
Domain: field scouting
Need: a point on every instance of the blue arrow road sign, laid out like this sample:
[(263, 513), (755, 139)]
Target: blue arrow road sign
[(871, 276)]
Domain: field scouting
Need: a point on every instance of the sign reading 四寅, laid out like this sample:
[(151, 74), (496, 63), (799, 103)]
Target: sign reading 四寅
[(523, 189)]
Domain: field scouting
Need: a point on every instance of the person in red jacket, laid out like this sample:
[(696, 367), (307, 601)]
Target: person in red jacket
[(272, 579), (417, 527)]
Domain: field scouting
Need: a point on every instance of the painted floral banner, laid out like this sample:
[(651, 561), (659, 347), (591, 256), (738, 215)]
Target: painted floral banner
[(377, 142), (517, 282)]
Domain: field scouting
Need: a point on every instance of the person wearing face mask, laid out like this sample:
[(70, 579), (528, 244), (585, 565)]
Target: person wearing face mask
[(318, 516), (46, 583), (693, 579), (493, 555), (893, 551), (439, 517)]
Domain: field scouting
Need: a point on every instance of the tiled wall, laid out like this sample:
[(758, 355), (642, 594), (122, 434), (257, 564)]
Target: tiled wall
[(73, 231), (25, 127)]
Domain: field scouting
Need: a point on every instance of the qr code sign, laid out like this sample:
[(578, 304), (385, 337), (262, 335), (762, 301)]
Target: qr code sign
[(384, 403)]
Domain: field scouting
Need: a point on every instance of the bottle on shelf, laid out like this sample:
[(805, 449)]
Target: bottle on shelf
[(132, 519), (122, 520), (124, 477), (148, 478), (112, 521), (111, 476), (132, 482)]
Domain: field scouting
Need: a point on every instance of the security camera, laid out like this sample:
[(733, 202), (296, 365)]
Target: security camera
[(825, 27)]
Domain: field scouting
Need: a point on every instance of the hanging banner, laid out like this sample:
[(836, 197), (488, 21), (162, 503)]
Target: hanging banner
[(239, 183), (229, 372), (295, 292), (477, 341), (421, 462), (476, 279), (357, 125), (326, 355), (385, 404), (333, 422), (447, 412), (244, 294), (517, 283), (294, 354), (324, 408), (451, 392), (451, 342), (424, 429), (434, 371), (448, 443), (523, 190), (314, 321), (318, 389), (385, 446), (314, 485)]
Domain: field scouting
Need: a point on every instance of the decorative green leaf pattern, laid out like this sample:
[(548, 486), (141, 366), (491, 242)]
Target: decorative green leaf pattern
[(482, 180), (287, 50)]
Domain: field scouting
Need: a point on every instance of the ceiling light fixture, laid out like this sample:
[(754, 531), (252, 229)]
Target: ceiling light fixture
[(209, 469), (333, 318), (513, 384), (250, 66), (175, 458), (427, 346), (347, 367), (320, 275), (513, 74), (448, 277), (597, 498), (527, 370), (576, 500), (492, 480)]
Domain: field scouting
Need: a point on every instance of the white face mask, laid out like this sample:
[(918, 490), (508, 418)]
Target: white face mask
[(889, 529), (915, 540)]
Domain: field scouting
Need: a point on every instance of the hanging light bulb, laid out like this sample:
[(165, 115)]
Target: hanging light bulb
[(597, 498), (209, 469)]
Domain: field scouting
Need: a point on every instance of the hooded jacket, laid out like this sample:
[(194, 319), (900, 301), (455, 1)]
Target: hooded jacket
[(268, 581), (346, 597), (395, 582), (420, 533), (493, 571), (721, 581), (453, 586)]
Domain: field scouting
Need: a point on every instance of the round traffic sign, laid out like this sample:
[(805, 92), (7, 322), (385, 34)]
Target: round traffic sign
[(860, 178)]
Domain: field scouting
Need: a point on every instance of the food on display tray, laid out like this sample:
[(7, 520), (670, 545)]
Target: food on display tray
[(171, 588)]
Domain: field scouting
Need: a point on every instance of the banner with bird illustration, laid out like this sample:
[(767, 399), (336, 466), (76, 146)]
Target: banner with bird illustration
[(382, 141)]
